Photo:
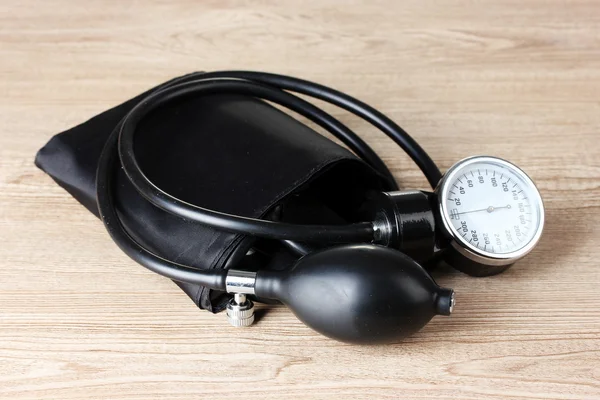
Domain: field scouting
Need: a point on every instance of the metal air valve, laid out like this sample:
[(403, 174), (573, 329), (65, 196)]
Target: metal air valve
[(240, 311)]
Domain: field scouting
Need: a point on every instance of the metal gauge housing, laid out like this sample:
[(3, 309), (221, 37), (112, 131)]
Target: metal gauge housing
[(490, 210)]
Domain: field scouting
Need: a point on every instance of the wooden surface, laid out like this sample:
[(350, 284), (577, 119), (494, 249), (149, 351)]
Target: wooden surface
[(516, 79)]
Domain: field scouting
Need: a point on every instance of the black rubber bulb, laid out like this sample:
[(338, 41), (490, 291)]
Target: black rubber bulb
[(358, 293)]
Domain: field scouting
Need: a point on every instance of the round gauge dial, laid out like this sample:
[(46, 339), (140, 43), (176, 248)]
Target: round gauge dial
[(491, 209)]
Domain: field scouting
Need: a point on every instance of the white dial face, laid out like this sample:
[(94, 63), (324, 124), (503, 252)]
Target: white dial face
[(493, 208)]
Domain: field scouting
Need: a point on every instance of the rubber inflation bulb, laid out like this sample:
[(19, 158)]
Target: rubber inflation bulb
[(358, 293)]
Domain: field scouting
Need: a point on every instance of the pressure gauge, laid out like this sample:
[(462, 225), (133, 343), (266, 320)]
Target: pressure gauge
[(490, 210)]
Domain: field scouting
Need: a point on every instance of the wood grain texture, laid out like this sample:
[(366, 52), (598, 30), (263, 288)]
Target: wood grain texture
[(512, 78)]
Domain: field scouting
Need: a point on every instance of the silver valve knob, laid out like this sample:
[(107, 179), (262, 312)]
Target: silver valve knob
[(240, 311)]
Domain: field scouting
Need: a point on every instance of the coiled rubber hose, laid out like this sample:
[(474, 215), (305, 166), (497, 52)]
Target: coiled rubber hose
[(271, 87)]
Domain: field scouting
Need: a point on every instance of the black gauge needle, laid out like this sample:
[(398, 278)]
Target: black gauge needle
[(489, 209)]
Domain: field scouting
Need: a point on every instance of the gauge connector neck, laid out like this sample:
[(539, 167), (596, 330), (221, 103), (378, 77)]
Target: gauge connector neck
[(404, 221)]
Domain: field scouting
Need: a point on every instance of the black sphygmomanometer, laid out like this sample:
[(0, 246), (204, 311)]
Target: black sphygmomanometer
[(358, 281)]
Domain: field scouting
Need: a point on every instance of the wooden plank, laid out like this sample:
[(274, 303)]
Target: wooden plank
[(509, 78)]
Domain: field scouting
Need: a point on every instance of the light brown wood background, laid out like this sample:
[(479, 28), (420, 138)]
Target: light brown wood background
[(512, 78)]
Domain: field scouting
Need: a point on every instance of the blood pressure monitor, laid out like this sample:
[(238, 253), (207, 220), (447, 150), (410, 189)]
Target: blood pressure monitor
[(361, 281), (490, 211)]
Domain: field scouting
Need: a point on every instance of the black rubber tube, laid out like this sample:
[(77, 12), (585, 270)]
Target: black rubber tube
[(272, 89), (339, 99)]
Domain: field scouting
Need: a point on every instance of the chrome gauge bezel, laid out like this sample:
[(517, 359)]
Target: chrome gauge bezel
[(458, 242)]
